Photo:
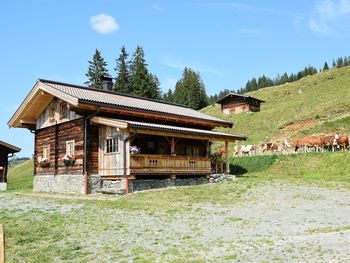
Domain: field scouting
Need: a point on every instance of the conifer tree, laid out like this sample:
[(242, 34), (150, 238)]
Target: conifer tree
[(97, 67), (325, 66), (190, 90), (142, 82), (122, 82)]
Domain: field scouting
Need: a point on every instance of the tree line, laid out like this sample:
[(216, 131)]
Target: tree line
[(134, 78), (263, 81)]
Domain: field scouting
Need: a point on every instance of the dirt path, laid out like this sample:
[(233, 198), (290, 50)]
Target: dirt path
[(277, 222)]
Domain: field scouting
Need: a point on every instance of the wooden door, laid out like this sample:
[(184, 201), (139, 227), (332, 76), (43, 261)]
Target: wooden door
[(111, 151)]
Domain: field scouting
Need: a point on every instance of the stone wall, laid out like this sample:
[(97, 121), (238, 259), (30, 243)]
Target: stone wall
[(140, 185), (62, 183), (74, 184)]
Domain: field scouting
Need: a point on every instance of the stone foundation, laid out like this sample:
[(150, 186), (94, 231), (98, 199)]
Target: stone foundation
[(62, 183), (3, 187), (74, 184)]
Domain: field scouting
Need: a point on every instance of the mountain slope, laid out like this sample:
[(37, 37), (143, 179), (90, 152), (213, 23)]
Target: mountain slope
[(313, 105)]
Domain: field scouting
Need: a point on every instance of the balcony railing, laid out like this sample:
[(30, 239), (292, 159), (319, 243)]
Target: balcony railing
[(166, 164)]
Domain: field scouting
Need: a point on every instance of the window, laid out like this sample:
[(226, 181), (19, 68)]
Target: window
[(52, 113), (70, 148), (192, 151), (112, 145), (46, 152), (63, 110)]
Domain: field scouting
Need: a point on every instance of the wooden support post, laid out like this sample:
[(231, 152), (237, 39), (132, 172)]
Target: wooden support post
[(172, 145), (227, 159), (2, 244)]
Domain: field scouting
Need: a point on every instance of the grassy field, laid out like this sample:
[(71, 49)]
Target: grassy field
[(323, 99), (193, 224), (21, 177)]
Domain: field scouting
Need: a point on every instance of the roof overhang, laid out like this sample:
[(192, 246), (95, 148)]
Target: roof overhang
[(166, 130), (36, 101), (231, 95), (9, 147)]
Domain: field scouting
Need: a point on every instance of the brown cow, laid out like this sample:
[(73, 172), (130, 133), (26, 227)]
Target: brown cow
[(269, 146), (342, 141), (296, 144), (311, 142), (328, 142)]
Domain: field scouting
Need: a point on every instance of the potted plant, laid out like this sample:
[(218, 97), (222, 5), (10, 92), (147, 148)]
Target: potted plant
[(68, 160), (44, 162), (134, 149)]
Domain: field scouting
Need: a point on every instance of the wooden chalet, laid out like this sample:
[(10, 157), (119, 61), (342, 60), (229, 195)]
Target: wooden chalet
[(6, 150), (235, 103), (88, 139)]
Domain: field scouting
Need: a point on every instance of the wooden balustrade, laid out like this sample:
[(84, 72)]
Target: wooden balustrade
[(166, 164)]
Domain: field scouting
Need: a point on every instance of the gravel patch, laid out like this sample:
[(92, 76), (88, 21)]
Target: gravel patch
[(277, 222)]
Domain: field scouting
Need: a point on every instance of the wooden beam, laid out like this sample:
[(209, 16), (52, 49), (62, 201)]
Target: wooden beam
[(181, 135), (2, 244), (227, 159)]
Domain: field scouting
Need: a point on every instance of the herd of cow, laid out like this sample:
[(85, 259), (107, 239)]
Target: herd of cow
[(319, 143)]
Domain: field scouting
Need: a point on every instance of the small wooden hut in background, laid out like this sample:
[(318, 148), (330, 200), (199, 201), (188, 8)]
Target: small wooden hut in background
[(5, 150), (235, 103)]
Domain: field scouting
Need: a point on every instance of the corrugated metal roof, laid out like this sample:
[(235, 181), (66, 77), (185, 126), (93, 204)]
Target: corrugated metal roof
[(146, 125), (120, 100), (123, 124)]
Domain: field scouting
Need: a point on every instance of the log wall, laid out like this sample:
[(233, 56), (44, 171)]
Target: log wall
[(56, 137), (3, 165)]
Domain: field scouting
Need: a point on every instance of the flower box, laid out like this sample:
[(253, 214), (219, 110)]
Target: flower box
[(68, 160)]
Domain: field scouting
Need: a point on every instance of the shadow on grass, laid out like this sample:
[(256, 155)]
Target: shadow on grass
[(245, 165)]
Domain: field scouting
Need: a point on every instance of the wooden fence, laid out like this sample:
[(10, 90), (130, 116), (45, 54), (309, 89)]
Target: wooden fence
[(2, 244)]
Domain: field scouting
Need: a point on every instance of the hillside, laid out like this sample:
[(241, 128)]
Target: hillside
[(313, 105), (20, 177)]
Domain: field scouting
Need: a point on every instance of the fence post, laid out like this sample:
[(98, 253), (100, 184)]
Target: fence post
[(2, 244)]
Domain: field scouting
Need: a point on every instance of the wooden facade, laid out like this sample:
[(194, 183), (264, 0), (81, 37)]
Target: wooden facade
[(78, 135), (5, 150), (235, 103)]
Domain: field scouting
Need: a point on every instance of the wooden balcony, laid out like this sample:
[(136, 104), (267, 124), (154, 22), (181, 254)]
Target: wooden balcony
[(166, 164)]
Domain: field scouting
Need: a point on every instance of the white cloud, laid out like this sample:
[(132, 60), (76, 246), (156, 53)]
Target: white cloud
[(157, 8), (331, 17), (104, 24)]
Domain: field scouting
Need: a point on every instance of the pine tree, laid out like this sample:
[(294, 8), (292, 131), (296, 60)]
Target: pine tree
[(122, 82), (190, 90), (168, 96), (142, 82), (154, 89), (97, 67), (325, 66)]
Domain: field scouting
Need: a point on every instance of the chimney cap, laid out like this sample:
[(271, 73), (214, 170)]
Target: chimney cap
[(106, 77)]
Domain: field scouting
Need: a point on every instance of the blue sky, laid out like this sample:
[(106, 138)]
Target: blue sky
[(228, 42)]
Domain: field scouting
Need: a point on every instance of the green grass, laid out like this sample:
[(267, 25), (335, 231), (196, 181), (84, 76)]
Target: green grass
[(243, 165), (324, 97), (331, 127), (20, 177), (329, 229), (325, 169)]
